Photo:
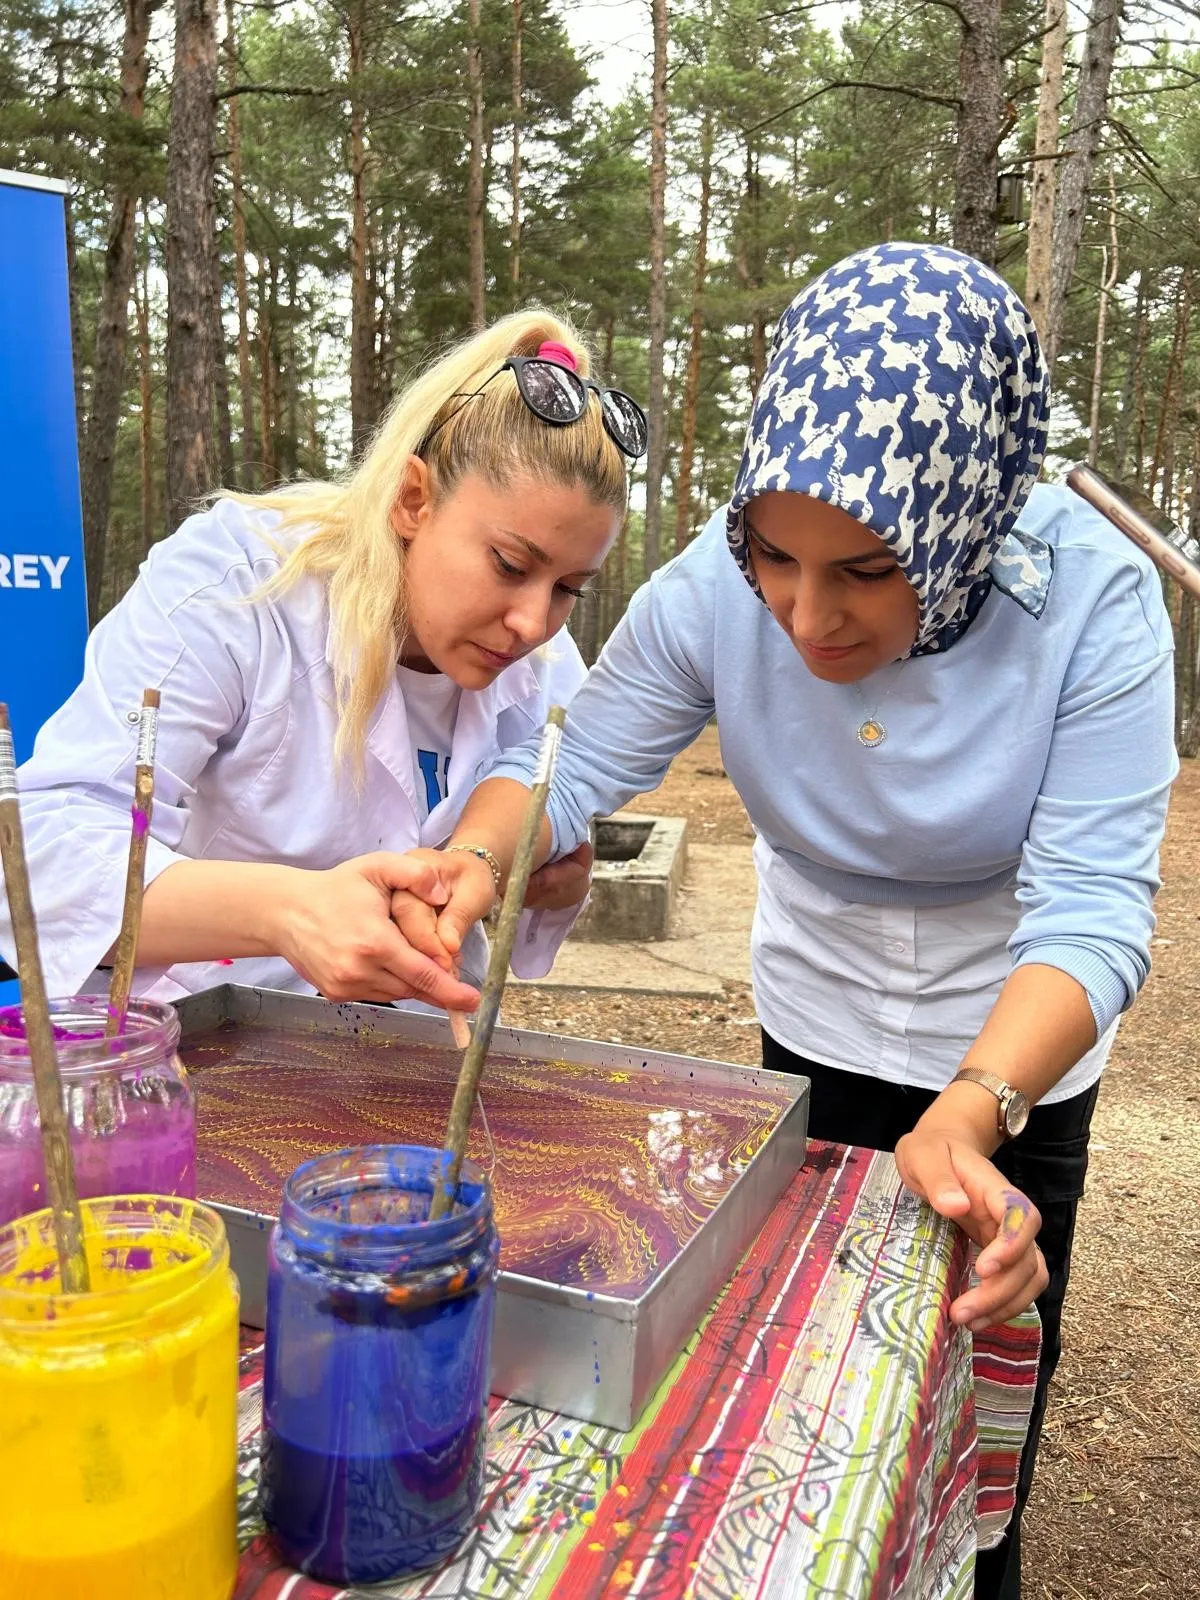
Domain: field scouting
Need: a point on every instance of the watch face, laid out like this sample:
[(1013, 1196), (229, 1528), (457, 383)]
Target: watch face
[(1016, 1113)]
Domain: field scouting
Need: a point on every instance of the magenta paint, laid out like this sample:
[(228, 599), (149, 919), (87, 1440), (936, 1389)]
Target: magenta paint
[(12, 1026), (141, 822), (130, 1111)]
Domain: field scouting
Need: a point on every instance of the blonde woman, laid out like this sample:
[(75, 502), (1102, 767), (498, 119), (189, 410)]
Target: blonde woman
[(340, 663)]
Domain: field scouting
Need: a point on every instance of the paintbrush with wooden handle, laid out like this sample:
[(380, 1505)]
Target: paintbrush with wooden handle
[(135, 872), (39, 1030), (493, 985)]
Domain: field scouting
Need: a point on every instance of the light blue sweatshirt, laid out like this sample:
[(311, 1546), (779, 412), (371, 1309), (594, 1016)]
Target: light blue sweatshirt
[(1037, 749)]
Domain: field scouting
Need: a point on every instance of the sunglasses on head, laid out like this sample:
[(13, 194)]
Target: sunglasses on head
[(559, 396)]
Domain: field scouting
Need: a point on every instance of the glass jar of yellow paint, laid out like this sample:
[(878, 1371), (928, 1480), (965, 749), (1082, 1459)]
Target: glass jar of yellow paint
[(118, 1408)]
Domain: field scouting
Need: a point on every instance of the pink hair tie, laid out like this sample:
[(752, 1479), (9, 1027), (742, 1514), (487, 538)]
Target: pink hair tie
[(553, 351)]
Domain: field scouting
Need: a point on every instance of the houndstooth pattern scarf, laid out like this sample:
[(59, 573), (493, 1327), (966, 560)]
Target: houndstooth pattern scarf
[(906, 387)]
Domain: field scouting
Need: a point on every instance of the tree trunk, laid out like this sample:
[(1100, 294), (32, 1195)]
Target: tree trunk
[(141, 302), (1087, 125), (691, 385), (377, 300), (250, 452), (1109, 274), (1045, 168), (108, 385), (266, 338), (1187, 726), (758, 322), (980, 118), (188, 257), (657, 455), (748, 264), (1139, 383), (518, 112), (586, 627), (395, 332), (224, 423), (1128, 382), (475, 190), (1168, 413), (290, 374), (622, 573), (362, 342), (76, 324), (278, 353), (58, 48), (112, 324), (1187, 643)]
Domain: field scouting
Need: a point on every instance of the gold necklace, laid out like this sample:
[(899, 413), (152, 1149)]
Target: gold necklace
[(871, 731)]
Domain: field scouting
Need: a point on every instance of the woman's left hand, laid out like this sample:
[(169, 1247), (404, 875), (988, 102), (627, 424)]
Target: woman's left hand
[(561, 884), (959, 1181)]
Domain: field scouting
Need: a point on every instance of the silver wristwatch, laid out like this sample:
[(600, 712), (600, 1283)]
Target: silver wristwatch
[(1014, 1107)]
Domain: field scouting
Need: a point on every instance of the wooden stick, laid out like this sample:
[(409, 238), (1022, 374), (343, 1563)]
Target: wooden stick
[(493, 985), (1163, 540), (460, 1028), (39, 1030), (135, 873)]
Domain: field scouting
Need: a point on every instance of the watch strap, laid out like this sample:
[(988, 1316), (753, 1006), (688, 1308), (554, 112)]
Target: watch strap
[(995, 1085)]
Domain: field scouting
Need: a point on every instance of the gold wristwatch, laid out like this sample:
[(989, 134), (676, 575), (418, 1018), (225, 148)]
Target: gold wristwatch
[(1014, 1107)]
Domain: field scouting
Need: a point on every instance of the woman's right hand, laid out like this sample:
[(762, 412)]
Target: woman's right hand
[(336, 929), (437, 923)]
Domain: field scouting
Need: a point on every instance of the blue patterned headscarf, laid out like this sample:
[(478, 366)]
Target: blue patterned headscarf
[(906, 386)]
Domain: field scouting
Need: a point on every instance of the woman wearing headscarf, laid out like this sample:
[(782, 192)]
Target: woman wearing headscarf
[(945, 696)]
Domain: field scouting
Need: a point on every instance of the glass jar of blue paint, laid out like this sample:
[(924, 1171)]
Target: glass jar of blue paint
[(377, 1363)]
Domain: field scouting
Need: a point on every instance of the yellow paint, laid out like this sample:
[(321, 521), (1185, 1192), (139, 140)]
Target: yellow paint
[(118, 1438)]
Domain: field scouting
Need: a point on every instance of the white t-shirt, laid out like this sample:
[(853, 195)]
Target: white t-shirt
[(431, 705)]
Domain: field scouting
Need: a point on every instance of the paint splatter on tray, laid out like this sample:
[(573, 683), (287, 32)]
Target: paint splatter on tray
[(601, 1176)]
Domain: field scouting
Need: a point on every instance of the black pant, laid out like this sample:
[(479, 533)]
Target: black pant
[(1048, 1162)]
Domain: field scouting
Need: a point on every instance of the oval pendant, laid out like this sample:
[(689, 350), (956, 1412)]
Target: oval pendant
[(872, 733)]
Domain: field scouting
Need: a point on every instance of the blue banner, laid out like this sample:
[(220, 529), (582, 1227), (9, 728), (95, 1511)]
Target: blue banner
[(43, 591)]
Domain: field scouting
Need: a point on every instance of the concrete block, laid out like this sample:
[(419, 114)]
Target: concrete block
[(639, 867)]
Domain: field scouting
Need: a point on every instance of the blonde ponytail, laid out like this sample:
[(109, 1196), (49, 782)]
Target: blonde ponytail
[(352, 543)]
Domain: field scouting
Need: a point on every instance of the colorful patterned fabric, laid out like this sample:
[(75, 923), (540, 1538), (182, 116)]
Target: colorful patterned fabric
[(906, 387), (827, 1432)]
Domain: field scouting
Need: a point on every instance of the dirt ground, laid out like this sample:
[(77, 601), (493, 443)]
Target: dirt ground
[(1116, 1503)]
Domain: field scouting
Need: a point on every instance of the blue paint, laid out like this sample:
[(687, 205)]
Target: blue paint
[(377, 1364)]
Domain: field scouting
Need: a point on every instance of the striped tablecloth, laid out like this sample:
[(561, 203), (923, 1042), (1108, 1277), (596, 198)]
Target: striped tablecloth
[(827, 1432)]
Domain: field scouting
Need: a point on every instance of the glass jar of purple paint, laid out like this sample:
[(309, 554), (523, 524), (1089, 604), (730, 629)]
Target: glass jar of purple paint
[(130, 1110), (377, 1365)]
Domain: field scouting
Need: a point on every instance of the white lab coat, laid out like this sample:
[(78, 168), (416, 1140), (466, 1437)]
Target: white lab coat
[(245, 768)]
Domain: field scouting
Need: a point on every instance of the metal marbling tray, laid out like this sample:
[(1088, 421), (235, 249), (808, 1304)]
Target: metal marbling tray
[(592, 1354)]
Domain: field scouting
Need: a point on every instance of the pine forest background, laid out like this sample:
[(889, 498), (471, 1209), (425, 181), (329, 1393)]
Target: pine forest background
[(282, 207)]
